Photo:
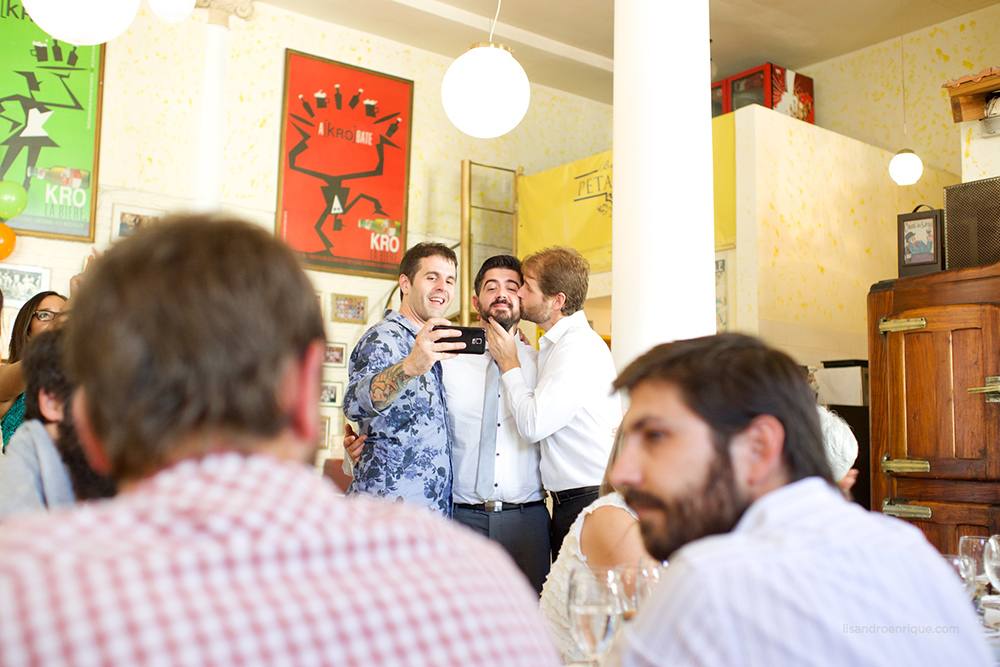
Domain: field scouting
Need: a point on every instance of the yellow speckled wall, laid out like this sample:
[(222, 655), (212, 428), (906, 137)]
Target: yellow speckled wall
[(154, 77), (816, 227), (860, 94), (980, 155), (153, 80)]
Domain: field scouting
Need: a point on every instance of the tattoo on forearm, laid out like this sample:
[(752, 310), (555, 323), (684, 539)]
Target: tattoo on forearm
[(387, 385)]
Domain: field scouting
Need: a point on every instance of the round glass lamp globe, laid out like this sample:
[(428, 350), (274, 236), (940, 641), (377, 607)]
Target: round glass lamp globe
[(905, 167), (172, 11), (82, 23), (485, 92)]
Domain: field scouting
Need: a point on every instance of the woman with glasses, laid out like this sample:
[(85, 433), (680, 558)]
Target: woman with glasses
[(36, 315)]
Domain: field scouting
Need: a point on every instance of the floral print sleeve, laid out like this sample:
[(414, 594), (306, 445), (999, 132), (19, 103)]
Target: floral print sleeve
[(407, 455)]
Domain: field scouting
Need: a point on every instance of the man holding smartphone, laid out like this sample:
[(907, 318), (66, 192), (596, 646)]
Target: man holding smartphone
[(395, 390), (503, 501)]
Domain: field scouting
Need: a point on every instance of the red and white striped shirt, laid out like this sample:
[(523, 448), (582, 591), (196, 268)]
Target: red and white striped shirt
[(248, 560)]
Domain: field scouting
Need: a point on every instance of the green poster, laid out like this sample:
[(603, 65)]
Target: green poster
[(50, 110)]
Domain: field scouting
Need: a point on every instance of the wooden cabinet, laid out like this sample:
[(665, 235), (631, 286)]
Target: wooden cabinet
[(935, 454)]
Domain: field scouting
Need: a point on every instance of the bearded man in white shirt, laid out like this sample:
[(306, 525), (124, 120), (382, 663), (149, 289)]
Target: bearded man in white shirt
[(502, 500), (724, 465), (571, 411)]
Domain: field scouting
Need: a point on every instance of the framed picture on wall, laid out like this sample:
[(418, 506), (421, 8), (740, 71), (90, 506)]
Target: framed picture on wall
[(323, 441), (352, 309), (321, 297), (343, 170), (331, 394), (127, 219), (919, 242), (335, 355), (19, 283), (50, 96)]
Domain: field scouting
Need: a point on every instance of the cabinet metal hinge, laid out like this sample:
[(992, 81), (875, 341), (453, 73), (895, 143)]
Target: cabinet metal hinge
[(904, 510), (886, 325)]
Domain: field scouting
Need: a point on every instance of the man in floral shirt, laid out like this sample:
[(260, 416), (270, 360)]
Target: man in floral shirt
[(395, 390)]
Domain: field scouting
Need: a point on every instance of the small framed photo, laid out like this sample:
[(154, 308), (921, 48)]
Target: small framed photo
[(127, 219), (320, 296), (345, 308), (19, 283), (919, 242), (331, 394), (323, 438), (335, 355)]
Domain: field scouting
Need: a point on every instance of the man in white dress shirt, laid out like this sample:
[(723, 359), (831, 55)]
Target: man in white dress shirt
[(572, 411), (724, 464), (512, 511)]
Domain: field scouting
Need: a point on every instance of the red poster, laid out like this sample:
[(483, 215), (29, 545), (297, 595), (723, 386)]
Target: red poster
[(344, 170)]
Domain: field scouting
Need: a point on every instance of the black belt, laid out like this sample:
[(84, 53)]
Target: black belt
[(498, 506), (572, 494)]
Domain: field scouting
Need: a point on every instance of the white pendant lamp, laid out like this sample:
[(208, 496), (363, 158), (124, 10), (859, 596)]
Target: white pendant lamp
[(172, 11), (81, 23), (485, 92), (905, 167)]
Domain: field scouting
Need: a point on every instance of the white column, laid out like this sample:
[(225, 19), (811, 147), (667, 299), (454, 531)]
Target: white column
[(663, 272), (211, 133)]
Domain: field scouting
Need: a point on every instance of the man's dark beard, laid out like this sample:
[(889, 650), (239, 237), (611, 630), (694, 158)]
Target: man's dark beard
[(87, 484), (507, 321), (712, 510)]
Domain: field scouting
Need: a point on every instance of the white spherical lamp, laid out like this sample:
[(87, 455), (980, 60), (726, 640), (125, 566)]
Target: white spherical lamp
[(172, 11), (82, 23), (485, 92), (905, 167)]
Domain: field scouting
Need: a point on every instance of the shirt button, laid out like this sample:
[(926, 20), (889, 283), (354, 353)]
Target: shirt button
[(495, 484)]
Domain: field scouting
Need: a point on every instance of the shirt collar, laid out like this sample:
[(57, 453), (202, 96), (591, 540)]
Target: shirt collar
[(794, 498), (564, 325), (410, 326)]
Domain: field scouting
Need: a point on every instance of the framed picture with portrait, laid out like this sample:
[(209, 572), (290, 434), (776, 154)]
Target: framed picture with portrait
[(919, 241), (19, 283)]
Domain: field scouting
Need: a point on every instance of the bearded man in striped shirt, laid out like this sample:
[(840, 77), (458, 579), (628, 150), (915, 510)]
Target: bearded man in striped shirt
[(723, 463)]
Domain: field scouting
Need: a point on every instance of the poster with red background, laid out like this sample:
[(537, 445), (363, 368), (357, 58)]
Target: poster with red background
[(344, 170)]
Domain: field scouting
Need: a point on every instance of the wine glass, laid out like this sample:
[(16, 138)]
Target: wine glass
[(958, 564), (637, 584), (650, 572), (595, 611), (970, 550), (991, 561)]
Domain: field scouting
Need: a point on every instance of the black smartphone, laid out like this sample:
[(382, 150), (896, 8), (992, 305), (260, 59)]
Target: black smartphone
[(473, 337)]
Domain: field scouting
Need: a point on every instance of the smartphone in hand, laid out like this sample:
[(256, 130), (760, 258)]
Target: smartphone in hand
[(473, 337)]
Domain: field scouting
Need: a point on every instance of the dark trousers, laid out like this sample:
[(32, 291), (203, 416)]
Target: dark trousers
[(566, 506), (523, 532)]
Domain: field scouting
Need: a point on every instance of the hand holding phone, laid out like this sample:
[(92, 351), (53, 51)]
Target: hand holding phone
[(473, 337)]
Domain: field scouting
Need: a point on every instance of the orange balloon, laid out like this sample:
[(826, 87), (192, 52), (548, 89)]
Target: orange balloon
[(7, 241)]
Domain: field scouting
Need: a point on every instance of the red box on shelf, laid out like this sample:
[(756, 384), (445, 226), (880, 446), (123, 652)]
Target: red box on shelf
[(770, 86), (720, 98)]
